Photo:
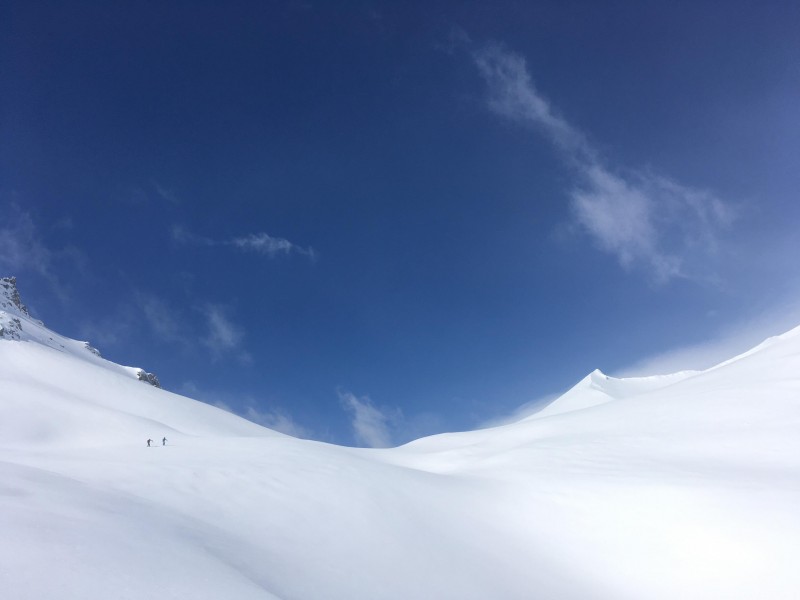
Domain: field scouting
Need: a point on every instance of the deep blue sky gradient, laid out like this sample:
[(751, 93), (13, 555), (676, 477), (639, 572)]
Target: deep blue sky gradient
[(450, 281)]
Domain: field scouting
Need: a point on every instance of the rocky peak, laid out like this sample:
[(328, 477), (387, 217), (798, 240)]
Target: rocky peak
[(9, 297)]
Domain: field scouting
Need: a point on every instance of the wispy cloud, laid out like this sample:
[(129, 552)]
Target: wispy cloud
[(259, 243), (162, 319), (182, 235), (103, 332), (272, 417), (21, 245), (277, 419), (164, 193), (372, 426), (24, 250), (223, 336), (511, 93), (646, 220), (142, 311), (263, 243), (205, 328)]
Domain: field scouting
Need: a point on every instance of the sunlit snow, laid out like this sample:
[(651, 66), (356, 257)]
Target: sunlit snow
[(683, 486)]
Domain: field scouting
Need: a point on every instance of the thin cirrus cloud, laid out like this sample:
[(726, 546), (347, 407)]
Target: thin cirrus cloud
[(161, 318), (645, 220), (277, 419), (206, 327), (263, 243), (259, 243), (165, 193), (216, 332), (372, 427), (21, 246), (23, 249), (223, 336), (273, 417), (142, 308)]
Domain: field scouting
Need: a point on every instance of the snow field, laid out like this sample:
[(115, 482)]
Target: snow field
[(682, 486)]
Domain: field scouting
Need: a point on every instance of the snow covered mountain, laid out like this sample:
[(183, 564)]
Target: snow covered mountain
[(17, 324), (685, 486)]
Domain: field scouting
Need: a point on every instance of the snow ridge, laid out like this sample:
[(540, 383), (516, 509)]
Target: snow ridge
[(598, 388), (16, 324)]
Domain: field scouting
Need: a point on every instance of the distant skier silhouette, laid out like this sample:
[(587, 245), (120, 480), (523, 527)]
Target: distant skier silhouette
[(148, 442), (164, 442)]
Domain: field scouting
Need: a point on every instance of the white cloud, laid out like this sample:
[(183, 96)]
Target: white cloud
[(205, 327), (277, 419), (104, 332), (161, 318), (148, 313), (183, 236), (189, 388), (513, 95), (371, 425), (139, 312), (223, 335), (24, 251), (647, 221), (627, 219), (263, 243), (260, 243), (21, 246), (164, 193), (619, 215), (219, 403)]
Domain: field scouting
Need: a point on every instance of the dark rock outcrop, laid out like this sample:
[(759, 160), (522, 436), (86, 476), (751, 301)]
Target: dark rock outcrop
[(9, 296), (148, 378), (91, 349), (11, 305), (10, 329)]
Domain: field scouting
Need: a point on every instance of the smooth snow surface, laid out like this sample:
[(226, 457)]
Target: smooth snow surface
[(685, 486)]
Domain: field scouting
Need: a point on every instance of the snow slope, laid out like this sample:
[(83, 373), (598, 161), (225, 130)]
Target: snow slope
[(684, 486)]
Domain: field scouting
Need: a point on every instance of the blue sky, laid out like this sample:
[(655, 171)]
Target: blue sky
[(365, 222)]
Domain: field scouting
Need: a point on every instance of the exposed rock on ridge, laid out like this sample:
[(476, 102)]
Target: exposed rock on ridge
[(17, 324), (10, 328), (10, 306), (148, 378), (9, 296)]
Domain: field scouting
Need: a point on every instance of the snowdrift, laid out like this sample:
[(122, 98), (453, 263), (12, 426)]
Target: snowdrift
[(684, 486)]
